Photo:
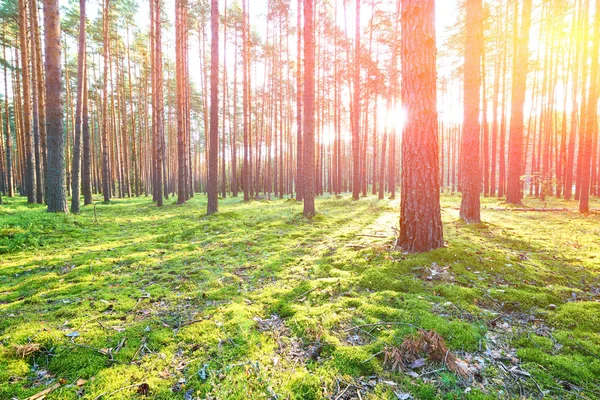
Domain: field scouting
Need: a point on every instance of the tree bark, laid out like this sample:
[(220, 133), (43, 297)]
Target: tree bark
[(470, 170), (76, 168), (308, 154), (420, 214), (514, 194), (29, 165), (57, 191), (213, 154), (591, 125)]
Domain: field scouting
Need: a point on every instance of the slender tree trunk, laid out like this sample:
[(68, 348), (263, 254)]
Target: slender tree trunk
[(86, 166), (213, 155), (29, 166), (35, 77), (299, 96), (8, 143), (159, 135), (515, 145), (247, 167), (75, 170), (105, 166), (470, 170), (308, 170), (225, 109), (182, 184), (591, 125), (356, 110)]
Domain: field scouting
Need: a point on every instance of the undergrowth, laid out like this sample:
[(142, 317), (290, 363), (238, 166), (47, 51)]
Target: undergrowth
[(258, 302)]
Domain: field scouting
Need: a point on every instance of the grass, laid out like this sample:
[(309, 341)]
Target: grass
[(233, 305)]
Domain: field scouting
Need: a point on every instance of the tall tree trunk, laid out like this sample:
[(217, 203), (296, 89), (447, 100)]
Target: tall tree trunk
[(591, 125), (247, 167), (515, 145), (8, 143), (86, 165), (470, 169), (36, 77), (75, 170), (420, 214), (299, 141), (105, 166), (308, 170), (159, 136), (29, 166), (356, 110), (182, 185), (213, 154), (57, 191)]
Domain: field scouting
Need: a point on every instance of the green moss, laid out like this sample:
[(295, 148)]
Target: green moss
[(306, 387), (578, 315), (176, 291)]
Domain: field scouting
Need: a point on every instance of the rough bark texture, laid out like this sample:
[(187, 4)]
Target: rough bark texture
[(247, 167), (299, 140), (591, 125), (158, 89), (308, 170), (420, 216), (26, 112), (76, 168), (86, 164), (356, 111), (180, 89), (471, 172), (104, 133), (8, 144), (57, 190), (515, 140), (213, 152)]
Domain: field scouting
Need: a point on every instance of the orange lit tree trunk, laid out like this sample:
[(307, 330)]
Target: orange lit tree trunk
[(470, 170), (356, 181), (591, 124), (515, 141), (308, 170), (420, 215)]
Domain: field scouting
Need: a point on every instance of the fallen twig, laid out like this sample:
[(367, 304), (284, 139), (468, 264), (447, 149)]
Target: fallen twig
[(116, 391), (380, 324), (44, 392)]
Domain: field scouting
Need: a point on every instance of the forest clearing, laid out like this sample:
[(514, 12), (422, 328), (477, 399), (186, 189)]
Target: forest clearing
[(127, 300), (299, 200)]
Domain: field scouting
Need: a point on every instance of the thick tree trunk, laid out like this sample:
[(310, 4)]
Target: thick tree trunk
[(420, 214), (57, 191)]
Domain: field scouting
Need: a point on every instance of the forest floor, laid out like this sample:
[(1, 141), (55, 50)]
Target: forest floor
[(128, 301)]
